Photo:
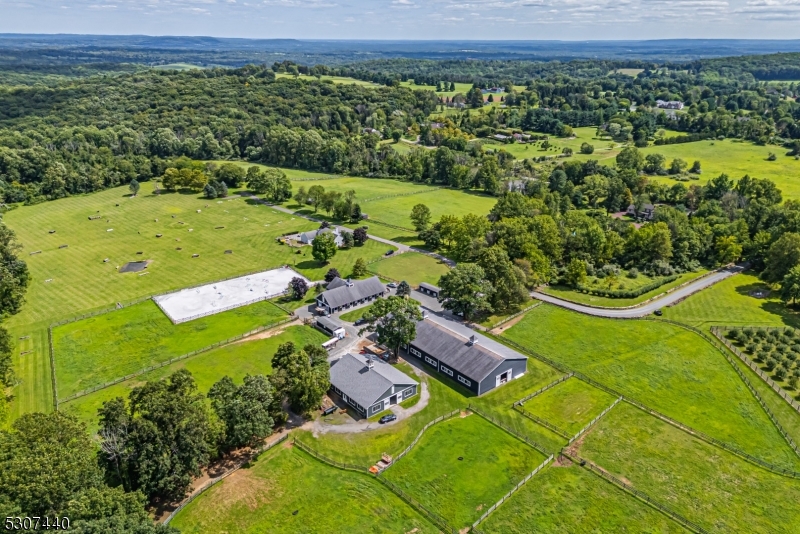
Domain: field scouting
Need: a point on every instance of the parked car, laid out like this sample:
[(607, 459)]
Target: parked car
[(658, 313), (387, 419), (360, 321), (391, 285), (389, 252)]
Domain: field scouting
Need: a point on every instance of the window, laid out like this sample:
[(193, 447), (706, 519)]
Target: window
[(445, 370), (408, 393), (464, 381), (415, 352), (431, 361)]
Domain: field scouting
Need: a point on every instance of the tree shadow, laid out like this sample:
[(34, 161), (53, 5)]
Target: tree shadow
[(310, 264)]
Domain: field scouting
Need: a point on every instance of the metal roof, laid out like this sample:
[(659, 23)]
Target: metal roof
[(329, 323), (336, 282), (360, 289), (366, 386), (453, 349), (429, 287)]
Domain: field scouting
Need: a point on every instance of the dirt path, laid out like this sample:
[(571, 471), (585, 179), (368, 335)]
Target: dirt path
[(269, 333)]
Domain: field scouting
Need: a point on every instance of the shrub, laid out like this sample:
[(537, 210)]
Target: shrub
[(795, 350), (751, 348), (749, 332), (761, 333), (783, 347), (633, 273), (793, 382), (627, 293), (770, 363), (780, 373)]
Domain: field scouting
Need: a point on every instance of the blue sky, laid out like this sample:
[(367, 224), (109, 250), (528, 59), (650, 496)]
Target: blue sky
[(410, 19)]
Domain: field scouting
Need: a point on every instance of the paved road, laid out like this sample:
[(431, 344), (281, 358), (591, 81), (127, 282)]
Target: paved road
[(644, 309), (401, 248)]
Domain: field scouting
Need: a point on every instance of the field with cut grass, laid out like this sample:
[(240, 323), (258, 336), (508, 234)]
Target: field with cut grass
[(570, 405), (235, 360), (705, 484), (462, 466), (66, 282), (92, 351), (568, 293), (411, 267), (732, 302), (570, 500), (288, 491), (670, 369)]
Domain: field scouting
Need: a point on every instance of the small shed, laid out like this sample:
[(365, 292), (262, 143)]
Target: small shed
[(429, 289), (331, 327)]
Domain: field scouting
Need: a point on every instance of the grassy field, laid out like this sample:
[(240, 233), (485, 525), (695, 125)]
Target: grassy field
[(411, 267), (729, 303), (335, 79), (288, 491), (236, 361), (570, 405), (101, 348), (462, 466), (705, 484), (71, 281), (567, 293), (570, 500), (666, 367)]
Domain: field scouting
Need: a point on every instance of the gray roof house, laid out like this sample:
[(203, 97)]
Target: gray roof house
[(351, 293), (369, 384), (308, 237), (476, 362)]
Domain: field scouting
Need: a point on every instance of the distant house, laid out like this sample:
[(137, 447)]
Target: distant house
[(308, 237), (372, 131), (429, 289), (343, 294), (474, 361), (436, 125), (646, 212), (500, 137), (521, 137), (369, 384), (331, 327), (669, 104)]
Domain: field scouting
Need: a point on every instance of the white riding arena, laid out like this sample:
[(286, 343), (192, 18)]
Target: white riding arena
[(216, 297)]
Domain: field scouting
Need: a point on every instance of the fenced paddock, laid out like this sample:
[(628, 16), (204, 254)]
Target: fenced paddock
[(193, 303)]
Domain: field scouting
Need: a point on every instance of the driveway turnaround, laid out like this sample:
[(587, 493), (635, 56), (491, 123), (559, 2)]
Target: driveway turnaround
[(648, 307)]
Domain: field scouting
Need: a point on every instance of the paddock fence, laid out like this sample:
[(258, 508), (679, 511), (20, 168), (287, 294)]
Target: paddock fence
[(538, 420), (505, 497), (421, 432), (515, 315), (220, 478), (52, 368), (666, 510), (591, 423), (511, 431), (719, 333), (322, 458), (223, 309), (689, 430), (140, 372), (539, 391), (440, 522)]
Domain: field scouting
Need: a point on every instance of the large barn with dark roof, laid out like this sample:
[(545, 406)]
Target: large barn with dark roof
[(474, 361), (369, 384), (343, 294)]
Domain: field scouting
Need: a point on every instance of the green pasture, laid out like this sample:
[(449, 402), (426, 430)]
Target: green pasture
[(491, 463), (705, 484), (235, 360), (731, 303), (633, 73), (670, 369), (735, 158), (286, 490), (67, 282), (335, 79), (412, 267), (568, 293), (570, 500), (92, 351), (570, 405)]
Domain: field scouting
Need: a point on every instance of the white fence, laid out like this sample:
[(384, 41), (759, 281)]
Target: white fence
[(593, 421)]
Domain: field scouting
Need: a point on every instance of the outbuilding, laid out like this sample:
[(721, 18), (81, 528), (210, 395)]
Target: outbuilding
[(370, 385), (348, 293), (331, 327), (474, 361), (429, 289)]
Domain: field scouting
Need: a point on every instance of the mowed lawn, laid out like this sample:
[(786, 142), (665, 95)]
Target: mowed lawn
[(411, 267), (288, 491), (731, 303), (66, 282), (567, 293), (96, 350), (491, 463), (570, 500), (705, 484), (670, 369), (235, 360), (570, 405)]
